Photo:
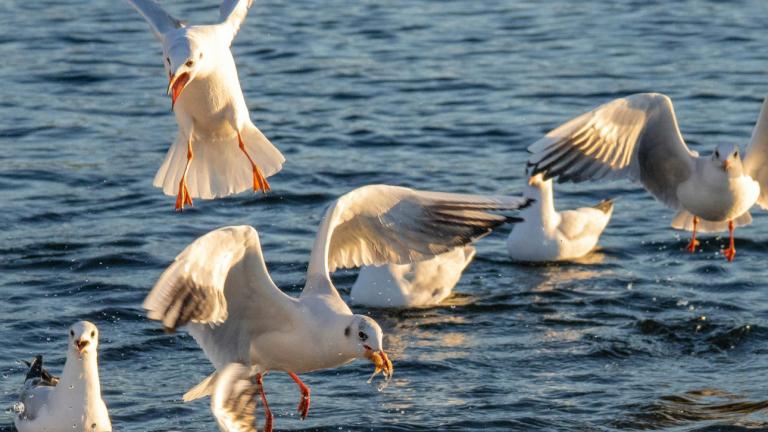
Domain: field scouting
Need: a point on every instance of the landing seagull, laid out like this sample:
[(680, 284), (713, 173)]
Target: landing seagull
[(548, 235), (218, 151), (72, 402), (637, 137), (220, 288)]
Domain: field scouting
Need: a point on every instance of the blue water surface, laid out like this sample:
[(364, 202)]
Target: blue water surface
[(441, 95)]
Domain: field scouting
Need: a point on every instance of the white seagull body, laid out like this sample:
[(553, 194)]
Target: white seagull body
[(218, 151), (220, 287), (548, 235), (637, 137), (72, 402), (423, 283)]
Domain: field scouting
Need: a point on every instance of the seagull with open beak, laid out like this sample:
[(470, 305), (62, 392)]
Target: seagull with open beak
[(218, 151)]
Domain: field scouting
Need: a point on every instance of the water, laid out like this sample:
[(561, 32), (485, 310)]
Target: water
[(437, 95)]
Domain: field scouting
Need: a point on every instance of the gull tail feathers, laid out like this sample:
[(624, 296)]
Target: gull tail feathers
[(684, 221), (605, 206), (202, 389), (219, 167)]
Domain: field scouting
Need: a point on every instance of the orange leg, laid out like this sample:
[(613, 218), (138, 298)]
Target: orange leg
[(183, 197), (267, 412), (694, 243), (730, 253), (259, 181), (304, 403)]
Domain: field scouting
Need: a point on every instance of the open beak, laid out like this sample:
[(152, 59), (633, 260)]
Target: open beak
[(176, 84), (382, 363), (726, 165), (81, 344)]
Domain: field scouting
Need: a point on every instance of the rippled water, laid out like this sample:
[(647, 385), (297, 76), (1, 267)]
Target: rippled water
[(438, 95)]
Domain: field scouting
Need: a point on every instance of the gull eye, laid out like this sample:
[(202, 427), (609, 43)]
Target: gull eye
[(72, 333), (93, 333), (168, 60), (736, 154), (346, 331), (362, 336), (200, 55), (189, 63), (717, 154)]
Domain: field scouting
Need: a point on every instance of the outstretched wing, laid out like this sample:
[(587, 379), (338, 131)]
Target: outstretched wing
[(160, 21), (233, 401), (380, 224), (635, 137), (756, 159), (220, 276), (233, 13)]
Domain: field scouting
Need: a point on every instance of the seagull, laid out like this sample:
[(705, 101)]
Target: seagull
[(419, 284), (637, 137), (72, 402), (548, 235), (218, 151), (220, 288)]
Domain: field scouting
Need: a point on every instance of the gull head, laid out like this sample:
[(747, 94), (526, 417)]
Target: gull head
[(537, 181), (726, 157), (365, 337), (83, 338), (183, 61)]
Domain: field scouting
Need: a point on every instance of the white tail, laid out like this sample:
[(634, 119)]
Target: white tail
[(684, 221), (219, 168)]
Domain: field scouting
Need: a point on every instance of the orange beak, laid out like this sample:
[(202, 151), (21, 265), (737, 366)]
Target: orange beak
[(176, 85), (382, 363), (81, 344), (726, 165)]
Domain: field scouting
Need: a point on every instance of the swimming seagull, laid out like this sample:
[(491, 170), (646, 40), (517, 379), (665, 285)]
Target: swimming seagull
[(548, 235), (637, 137), (72, 402), (418, 284), (218, 151), (220, 288)]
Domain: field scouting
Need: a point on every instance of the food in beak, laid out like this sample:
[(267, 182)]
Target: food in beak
[(176, 85), (382, 363), (81, 344)]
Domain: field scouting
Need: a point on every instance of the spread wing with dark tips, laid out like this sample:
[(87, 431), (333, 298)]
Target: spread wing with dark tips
[(234, 399), (636, 137), (380, 224), (221, 267)]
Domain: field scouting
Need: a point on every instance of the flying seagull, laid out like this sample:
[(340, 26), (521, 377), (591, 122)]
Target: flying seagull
[(637, 137), (218, 151), (220, 288)]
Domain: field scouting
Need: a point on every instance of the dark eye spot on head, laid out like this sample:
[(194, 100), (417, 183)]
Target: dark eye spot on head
[(93, 333), (72, 333), (168, 60), (200, 56), (189, 63), (717, 154), (363, 336), (346, 331)]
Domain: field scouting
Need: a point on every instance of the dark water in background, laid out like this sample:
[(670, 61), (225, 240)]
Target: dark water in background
[(432, 94)]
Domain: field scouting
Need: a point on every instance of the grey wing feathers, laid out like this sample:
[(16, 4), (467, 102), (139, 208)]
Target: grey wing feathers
[(636, 137), (160, 21)]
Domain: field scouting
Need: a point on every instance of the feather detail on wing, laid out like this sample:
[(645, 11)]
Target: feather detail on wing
[(233, 13), (234, 399), (160, 21), (221, 267), (636, 137), (380, 224), (756, 159)]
